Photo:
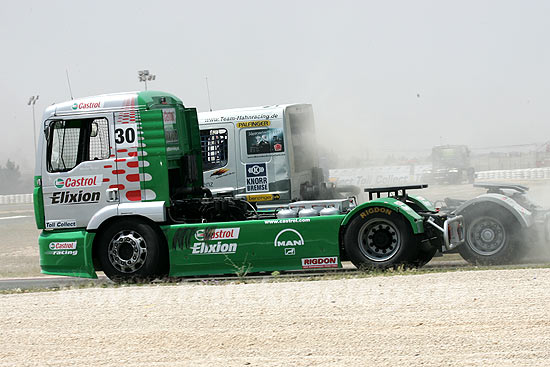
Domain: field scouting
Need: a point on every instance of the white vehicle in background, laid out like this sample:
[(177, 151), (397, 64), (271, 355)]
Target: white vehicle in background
[(264, 154)]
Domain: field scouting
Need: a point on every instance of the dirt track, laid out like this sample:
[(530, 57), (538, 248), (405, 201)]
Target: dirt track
[(474, 318)]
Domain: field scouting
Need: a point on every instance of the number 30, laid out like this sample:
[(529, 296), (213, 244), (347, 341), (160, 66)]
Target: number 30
[(128, 135)]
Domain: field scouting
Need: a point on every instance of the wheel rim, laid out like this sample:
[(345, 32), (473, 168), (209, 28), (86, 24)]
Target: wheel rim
[(379, 240), (127, 251), (486, 236)]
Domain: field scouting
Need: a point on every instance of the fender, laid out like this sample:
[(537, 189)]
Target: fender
[(415, 220), (524, 216), (153, 210), (422, 202)]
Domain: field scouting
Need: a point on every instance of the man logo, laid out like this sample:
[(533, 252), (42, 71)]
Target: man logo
[(288, 238), (256, 170)]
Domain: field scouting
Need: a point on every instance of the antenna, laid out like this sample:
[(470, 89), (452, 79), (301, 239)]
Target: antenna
[(208, 91), (69, 83)]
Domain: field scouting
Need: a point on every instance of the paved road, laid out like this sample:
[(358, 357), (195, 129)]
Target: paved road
[(48, 282), (53, 282)]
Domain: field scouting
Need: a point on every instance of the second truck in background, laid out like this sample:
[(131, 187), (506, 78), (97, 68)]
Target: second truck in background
[(265, 155)]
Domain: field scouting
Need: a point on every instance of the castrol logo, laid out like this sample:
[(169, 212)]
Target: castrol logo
[(217, 234), (62, 246), (78, 182), (86, 105)]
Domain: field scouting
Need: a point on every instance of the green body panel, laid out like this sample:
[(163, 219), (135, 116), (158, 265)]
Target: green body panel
[(67, 253), (154, 148), (425, 204), (150, 98), (38, 201), (255, 246), (169, 159), (193, 141), (416, 221)]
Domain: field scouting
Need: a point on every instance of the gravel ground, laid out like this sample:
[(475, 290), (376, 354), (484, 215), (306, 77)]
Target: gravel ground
[(470, 318)]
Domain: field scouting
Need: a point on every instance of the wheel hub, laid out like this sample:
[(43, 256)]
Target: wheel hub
[(127, 251), (379, 240), (486, 236)]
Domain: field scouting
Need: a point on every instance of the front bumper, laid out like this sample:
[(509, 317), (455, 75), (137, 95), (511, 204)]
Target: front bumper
[(67, 252), (453, 231)]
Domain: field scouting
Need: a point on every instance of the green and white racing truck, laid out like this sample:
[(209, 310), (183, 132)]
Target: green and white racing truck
[(119, 188)]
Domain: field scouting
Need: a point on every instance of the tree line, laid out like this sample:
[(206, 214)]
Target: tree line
[(11, 180)]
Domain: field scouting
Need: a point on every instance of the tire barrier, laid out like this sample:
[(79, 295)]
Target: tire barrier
[(16, 199), (515, 174)]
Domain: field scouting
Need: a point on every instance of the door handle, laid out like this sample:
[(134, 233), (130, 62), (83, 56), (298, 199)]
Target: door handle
[(112, 195)]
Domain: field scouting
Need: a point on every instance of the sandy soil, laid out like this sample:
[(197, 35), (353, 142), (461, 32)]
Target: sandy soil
[(475, 318)]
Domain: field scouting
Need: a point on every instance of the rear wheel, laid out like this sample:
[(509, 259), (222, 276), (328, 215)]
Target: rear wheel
[(130, 251), (493, 237), (380, 239)]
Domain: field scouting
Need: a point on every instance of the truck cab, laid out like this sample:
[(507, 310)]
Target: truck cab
[(451, 164), (104, 155), (262, 154)]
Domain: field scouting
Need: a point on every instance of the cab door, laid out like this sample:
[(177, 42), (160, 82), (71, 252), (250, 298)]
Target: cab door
[(218, 158), (78, 169)]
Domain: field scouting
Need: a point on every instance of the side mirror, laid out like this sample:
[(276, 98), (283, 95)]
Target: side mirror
[(95, 129), (47, 133)]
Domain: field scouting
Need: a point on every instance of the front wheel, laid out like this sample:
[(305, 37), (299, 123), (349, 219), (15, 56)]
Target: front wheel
[(380, 238), (130, 250)]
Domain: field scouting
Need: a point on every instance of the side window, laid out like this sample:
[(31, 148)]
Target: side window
[(63, 145), (264, 141), (71, 142), (214, 148), (99, 140)]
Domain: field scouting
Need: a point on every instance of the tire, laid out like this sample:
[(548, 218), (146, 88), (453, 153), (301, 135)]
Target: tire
[(493, 237), (424, 257), (380, 239), (130, 251)]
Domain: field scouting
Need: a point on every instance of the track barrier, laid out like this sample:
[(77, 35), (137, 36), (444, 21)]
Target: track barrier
[(515, 174), (16, 199)]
